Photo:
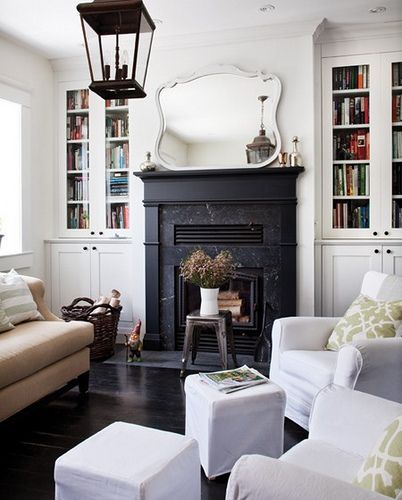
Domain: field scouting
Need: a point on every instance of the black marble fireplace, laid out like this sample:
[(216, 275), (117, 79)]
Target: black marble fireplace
[(251, 212)]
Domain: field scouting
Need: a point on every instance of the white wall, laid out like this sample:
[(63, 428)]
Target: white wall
[(25, 70), (291, 59)]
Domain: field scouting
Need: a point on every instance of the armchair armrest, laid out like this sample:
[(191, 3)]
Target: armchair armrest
[(360, 418), (373, 366), (37, 289), (255, 477), (301, 333)]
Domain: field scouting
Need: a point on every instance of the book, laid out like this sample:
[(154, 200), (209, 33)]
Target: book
[(228, 295), (228, 381)]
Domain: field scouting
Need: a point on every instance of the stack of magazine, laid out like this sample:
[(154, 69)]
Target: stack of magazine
[(234, 380)]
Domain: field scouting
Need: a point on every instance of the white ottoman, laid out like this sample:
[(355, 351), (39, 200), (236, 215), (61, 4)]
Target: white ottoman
[(228, 426), (130, 462)]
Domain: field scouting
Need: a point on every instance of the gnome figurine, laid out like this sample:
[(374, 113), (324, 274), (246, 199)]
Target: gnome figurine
[(134, 343)]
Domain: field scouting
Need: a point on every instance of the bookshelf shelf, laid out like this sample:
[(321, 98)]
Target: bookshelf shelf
[(83, 111), (344, 162), (353, 126), (350, 92)]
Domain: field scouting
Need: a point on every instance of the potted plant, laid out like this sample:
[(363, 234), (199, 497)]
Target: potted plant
[(209, 274)]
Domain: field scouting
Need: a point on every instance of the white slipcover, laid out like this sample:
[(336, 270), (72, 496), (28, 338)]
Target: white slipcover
[(344, 427), (227, 426), (130, 462), (301, 365)]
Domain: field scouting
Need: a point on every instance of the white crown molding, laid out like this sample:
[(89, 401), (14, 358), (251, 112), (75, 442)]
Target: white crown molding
[(239, 35), (359, 31)]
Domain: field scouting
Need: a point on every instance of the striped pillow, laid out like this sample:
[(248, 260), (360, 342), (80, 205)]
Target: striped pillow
[(16, 298), (5, 324)]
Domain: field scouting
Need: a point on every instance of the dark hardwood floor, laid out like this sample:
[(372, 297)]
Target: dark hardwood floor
[(32, 440)]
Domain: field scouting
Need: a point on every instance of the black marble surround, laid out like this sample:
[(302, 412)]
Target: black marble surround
[(248, 197)]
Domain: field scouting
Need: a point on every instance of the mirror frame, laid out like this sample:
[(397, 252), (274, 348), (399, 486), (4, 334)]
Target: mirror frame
[(221, 69)]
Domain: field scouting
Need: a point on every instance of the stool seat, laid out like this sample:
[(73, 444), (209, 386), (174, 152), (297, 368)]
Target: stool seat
[(223, 326), (130, 462)]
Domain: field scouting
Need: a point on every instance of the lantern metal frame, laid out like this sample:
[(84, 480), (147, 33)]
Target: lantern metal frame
[(101, 16)]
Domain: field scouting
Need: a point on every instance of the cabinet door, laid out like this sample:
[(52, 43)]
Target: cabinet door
[(70, 273), (111, 267), (392, 259), (343, 268)]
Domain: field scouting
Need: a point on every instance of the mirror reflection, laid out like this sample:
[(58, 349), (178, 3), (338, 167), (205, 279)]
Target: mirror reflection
[(216, 118)]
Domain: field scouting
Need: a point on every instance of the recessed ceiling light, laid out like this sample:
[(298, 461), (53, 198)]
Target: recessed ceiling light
[(377, 10), (267, 8), (158, 21)]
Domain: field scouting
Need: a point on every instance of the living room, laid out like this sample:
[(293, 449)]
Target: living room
[(324, 217)]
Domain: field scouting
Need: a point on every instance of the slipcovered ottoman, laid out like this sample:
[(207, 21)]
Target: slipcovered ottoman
[(130, 462), (228, 426)]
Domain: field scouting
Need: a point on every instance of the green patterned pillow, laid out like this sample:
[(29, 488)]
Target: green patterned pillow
[(382, 469), (366, 319), (5, 323)]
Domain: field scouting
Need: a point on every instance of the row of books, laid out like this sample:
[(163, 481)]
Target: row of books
[(351, 111), (77, 99), (77, 217), (117, 156), (397, 178), (118, 184), (78, 188), (354, 145), (345, 215), (397, 144), (351, 180), (113, 103), (350, 77), (116, 127), (77, 127), (117, 216), (397, 108), (77, 157), (396, 214), (397, 74)]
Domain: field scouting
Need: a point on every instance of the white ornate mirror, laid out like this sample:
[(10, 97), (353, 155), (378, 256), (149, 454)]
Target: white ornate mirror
[(209, 117)]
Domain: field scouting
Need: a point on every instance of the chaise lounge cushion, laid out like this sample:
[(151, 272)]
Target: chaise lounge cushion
[(37, 344)]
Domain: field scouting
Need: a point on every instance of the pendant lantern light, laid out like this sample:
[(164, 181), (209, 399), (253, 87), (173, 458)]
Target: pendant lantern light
[(118, 37)]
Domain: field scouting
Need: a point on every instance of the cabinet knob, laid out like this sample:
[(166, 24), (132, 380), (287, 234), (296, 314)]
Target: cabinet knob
[(386, 233), (94, 248), (85, 248), (100, 232), (375, 233), (389, 251), (92, 232), (376, 250)]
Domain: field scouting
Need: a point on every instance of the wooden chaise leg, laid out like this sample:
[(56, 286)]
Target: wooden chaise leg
[(83, 382)]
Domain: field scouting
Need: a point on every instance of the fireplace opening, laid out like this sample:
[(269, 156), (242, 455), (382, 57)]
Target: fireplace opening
[(242, 295)]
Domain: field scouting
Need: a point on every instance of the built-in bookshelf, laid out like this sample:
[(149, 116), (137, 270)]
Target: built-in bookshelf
[(117, 164), (396, 144), (77, 159), (351, 147)]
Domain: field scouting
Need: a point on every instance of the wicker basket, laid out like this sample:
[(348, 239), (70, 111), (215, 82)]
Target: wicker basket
[(105, 324)]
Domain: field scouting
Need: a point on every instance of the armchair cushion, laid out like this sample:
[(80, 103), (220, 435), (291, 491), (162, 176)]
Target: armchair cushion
[(382, 469), (312, 367), (5, 323), (366, 319), (16, 298)]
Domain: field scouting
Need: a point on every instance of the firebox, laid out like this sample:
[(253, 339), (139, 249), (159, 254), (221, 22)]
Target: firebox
[(252, 213)]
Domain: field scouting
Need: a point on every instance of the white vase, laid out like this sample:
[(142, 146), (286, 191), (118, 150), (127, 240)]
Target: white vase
[(209, 301)]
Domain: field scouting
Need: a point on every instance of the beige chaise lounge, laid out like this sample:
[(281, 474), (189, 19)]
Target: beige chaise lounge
[(39, 357)]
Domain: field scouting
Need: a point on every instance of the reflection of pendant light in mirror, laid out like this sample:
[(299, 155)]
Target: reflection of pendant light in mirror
[(118, 38), (261, 148)]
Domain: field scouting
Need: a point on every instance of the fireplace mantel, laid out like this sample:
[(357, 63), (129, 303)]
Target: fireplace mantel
[(259, 191)]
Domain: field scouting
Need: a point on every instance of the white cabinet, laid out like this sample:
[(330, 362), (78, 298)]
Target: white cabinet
[(362, 145), (343, 268), (94, 164), (90, 269)]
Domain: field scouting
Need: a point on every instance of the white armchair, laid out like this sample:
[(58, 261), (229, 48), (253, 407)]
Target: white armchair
[(301, 365), (344, 427)]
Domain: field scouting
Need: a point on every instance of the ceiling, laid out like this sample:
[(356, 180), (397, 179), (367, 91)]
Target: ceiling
[(52, 28)]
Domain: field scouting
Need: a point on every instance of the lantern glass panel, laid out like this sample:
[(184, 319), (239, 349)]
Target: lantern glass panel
[(144, 46), (94, 52)]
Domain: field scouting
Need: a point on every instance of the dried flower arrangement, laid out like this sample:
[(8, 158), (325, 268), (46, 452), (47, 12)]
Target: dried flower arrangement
[(202, 270)]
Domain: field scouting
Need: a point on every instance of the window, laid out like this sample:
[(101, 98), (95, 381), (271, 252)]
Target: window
[(10, 176)]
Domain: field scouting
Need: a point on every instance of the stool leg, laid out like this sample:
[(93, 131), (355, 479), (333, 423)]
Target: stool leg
[(229, 330), (188, 337), (220, 330), (196, 340)]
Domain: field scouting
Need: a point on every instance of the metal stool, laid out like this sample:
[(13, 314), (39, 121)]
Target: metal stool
[(222, 324)]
